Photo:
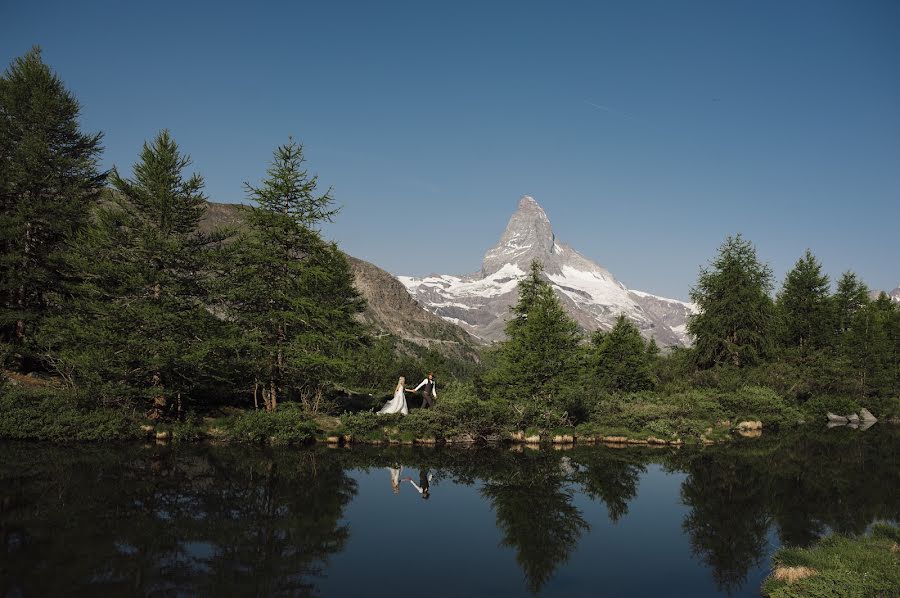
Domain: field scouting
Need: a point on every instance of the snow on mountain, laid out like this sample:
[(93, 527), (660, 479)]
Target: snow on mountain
[(480, 302), (895, 294)]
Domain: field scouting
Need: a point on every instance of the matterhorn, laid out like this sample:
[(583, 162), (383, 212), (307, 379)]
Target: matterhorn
[(480, 302)]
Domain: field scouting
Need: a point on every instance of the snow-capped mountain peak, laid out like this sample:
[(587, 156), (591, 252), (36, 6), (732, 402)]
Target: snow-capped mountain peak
[(591, 294)]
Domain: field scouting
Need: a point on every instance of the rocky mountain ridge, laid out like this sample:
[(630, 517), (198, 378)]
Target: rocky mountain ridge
[(480, 302), (389, 307)]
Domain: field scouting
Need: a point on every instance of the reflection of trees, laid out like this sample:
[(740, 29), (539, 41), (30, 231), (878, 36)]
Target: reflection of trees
[(727, 524), (805, 482), (536, 516), (204, 520), (231, 520), (611, 475)]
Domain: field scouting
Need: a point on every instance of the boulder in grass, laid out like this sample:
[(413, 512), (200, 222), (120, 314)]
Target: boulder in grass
[(866, 416), (836, 419)]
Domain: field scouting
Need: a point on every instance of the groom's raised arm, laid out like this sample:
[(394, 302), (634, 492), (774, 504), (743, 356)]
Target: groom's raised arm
[(421, 384)]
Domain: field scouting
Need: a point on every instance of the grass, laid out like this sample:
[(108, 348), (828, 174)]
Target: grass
[(867, 565)]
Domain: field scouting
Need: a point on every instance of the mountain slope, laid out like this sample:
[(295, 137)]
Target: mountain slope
[(590, 293), (389, 307)]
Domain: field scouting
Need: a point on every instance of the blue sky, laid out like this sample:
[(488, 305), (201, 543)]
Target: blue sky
[(647, 130)]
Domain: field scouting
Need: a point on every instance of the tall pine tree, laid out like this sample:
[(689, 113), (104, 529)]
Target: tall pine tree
[(851, 295), (540, 358), (621, 360), (734, 321), (290, 292), (803, 307), (49, 179), (137, 324)]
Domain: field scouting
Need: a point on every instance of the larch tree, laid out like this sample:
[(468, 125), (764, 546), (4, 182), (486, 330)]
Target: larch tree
[(49, 180), (734, 321), (803, 306), (289, 291), (138, 323)]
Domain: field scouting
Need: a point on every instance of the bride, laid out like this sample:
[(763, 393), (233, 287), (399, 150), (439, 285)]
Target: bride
[(398, 403)]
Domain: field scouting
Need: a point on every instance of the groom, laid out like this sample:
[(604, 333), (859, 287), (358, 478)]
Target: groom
[(429, 395)]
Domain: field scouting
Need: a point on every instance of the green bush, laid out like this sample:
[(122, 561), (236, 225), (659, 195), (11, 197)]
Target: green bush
[(816, 408), (56, 416), (287, 425), (425, 423), (361, 424), (189, 430), (764, 404)]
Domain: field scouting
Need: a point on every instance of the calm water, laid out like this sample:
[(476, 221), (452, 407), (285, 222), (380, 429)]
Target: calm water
[(233, 520)]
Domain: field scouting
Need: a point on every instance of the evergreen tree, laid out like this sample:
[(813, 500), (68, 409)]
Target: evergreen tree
[(873, 345), (137, 323), (803, 306), (734, 321), (541, 356), (290, 292), (621, 359), (49, 180), (850, 297)]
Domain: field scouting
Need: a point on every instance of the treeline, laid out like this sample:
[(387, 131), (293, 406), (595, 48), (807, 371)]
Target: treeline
[(108, 282), (808, 349)]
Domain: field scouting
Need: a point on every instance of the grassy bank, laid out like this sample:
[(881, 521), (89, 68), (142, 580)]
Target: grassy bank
[(867, 565), (690, 417)]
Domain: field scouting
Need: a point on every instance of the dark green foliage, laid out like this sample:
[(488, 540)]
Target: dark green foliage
[(621, 360), (135, 324), (734, 324), (803, 308), (289, 292), (540, 362), (872, 344), (56, 416), (850, 297), (287, 425), (49, 179)]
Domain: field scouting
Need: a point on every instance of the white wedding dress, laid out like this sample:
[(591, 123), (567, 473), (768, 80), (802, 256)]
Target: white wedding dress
[(397, 404)]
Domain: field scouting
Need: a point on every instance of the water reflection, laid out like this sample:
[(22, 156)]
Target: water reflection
[(243, 520)]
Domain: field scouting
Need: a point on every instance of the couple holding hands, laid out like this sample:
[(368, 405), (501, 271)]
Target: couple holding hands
[(398, 403)]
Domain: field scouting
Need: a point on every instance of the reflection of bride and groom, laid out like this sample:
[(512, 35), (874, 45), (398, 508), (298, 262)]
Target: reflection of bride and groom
[(398, 403), (423, 487)]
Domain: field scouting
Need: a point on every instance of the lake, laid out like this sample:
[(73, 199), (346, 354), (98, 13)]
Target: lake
[(184, 520)]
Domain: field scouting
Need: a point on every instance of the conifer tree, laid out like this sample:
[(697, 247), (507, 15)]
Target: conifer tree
[(49, 179), (849, 298), (734, 321), (873, 345), (290, 292), (621, 360), (802, 307), (540, 357), (137, 323)]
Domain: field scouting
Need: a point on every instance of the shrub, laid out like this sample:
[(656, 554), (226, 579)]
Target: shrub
[(425, 423), (764, 404), (56, 416), (816, 408), (362, 424), (287, 425)]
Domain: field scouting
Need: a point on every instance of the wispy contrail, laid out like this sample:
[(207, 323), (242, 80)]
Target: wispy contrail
[(610, 110), (600, 107)]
